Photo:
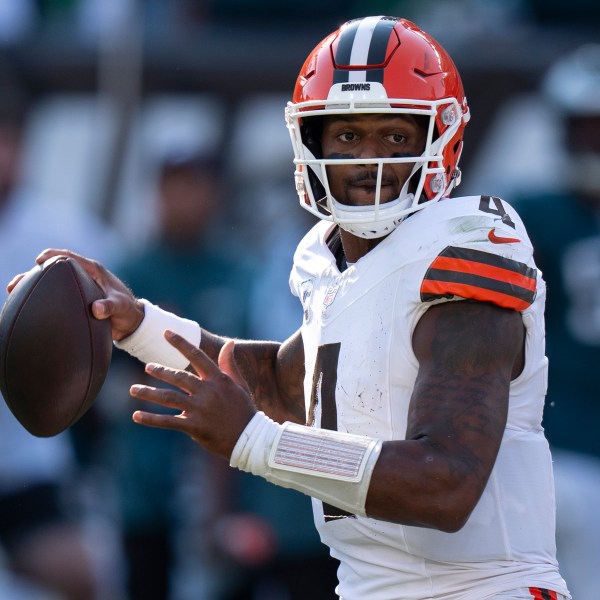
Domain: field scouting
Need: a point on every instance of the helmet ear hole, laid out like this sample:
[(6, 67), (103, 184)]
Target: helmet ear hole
[(317, 187), (311, 130)]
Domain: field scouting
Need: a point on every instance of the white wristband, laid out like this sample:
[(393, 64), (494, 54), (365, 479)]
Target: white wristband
[(328, 465), (147, 342)]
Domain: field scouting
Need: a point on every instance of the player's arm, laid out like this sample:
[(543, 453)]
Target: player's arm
[(119, 304), (468, 354), (273, 373)]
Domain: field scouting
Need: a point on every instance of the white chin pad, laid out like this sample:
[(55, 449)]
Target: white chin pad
[(369, 221)]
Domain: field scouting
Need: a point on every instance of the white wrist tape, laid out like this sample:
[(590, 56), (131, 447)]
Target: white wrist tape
[(328, 465), (148, 344)]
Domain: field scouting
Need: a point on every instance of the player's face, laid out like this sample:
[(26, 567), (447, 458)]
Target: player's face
[(370, 136)]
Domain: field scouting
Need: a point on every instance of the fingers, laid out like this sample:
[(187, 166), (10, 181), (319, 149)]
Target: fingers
[(174, 422), (214, 409), (184, 380), (92, 267), (201, 411), (119, 303), (173, 399), (200, 361), (165, 397), (202, 364), (13, 282), (49, 253)]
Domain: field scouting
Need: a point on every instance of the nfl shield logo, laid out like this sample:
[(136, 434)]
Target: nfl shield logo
[(330, 296), (306, 293)]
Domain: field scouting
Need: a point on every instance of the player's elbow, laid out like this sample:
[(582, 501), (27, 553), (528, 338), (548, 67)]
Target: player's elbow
[(451, 522), (443, 515), (446, 508), (424, 492), (455, 507), (451, 503)]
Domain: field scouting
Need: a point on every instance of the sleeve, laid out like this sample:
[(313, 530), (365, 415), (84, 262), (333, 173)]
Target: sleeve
[(479, 275), (490, 261)]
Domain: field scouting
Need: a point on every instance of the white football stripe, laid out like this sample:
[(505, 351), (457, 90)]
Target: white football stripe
[(362, 41), (357, 76)]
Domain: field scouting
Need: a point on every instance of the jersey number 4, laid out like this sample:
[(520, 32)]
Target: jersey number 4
[(485, 205)]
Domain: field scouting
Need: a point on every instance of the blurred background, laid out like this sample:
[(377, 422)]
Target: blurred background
[(149, 134)]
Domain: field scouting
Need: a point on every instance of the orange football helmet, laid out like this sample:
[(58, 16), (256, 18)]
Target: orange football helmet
[(378, 65)]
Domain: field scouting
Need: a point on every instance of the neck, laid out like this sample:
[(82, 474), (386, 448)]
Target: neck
[(356, 247)]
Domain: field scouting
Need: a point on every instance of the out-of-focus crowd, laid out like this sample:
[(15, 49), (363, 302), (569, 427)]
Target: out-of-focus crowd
[(189, 198)]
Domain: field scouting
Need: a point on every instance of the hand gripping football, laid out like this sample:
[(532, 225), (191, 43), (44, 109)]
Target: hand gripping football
[(54, 354)]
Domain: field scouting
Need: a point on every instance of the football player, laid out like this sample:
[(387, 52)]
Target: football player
[(409, 403)]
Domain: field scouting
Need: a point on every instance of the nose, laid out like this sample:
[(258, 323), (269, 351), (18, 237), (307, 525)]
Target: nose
[(370, 147)]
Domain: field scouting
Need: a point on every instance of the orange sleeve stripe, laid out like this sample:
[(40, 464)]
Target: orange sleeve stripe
[(441, 289), (480, 275), (542, 594), (477, 268)]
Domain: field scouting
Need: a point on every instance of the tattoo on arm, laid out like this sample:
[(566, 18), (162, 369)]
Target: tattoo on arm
[(460, 402), (274, 374)]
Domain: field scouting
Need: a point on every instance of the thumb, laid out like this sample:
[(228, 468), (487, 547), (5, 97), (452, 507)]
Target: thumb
[(228, 365), (101, 309)]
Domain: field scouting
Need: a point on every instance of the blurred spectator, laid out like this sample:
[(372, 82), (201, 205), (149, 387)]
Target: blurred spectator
[(41, 514), (565, 229), (17, 20), (282, 573), (578, 12), (171, 495), (105, 19), (273, 223), (296, 558), (192, 527)]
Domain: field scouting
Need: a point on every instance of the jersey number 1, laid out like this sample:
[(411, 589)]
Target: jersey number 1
[(323, 392)]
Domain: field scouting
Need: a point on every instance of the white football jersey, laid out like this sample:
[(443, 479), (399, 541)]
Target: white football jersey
[(360, 373)]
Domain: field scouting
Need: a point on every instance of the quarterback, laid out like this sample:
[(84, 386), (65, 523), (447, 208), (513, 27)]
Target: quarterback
[(409, 403)]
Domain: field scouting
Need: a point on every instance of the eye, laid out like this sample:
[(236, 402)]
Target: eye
[(396, 138), (347, 136)]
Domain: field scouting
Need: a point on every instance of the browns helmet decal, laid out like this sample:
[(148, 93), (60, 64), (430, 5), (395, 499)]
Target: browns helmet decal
[(363, 49)]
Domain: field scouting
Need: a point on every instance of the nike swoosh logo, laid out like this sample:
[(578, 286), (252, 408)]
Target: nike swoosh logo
[(496, 239)]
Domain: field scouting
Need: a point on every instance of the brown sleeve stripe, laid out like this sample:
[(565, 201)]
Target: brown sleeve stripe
[(480, 276), (457, 265)]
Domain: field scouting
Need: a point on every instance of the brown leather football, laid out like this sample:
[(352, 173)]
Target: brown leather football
[(54, 355)]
